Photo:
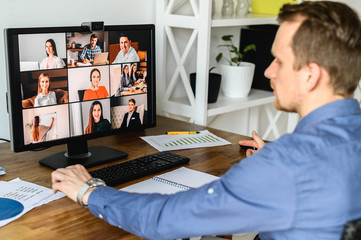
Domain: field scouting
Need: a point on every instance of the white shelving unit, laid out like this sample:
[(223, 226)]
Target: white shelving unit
[(200, 23)]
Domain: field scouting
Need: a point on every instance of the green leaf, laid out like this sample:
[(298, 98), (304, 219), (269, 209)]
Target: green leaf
[(227, 37), (249, 48), (219, 57), (240, 55), (235, 60)]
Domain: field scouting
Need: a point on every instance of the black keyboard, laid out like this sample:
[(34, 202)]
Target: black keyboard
[(139, 167)]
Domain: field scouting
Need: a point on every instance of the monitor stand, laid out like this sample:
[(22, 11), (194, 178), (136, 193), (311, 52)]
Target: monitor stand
[(78, 153)]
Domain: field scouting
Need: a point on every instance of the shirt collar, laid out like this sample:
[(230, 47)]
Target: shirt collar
[(334, 109)]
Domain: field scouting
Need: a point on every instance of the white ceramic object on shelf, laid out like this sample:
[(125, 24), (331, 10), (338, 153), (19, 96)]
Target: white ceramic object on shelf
[(227, 8), (242, 8), (237, 80)]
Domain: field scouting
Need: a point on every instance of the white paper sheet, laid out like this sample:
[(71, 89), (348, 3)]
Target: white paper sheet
[(30, 195), (166, 142)]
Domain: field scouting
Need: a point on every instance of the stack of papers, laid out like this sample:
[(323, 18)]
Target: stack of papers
[(17, 197), (177, 142)]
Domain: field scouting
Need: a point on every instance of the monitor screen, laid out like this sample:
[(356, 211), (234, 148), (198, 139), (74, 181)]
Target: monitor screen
[(68, 84)]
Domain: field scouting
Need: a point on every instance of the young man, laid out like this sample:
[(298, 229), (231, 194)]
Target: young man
[(305, 185), (131, 119), (127, 53), (87, 55)]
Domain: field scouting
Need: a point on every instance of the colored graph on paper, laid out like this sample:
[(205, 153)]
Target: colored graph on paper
[(176, 142)]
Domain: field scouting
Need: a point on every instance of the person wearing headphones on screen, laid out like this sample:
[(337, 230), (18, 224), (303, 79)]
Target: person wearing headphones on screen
[(304, 185), (95, 91)]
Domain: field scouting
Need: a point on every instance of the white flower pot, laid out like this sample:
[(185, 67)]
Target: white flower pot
[(237, 80)]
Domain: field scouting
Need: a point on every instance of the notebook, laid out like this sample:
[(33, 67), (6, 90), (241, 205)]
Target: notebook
[(181, 179)]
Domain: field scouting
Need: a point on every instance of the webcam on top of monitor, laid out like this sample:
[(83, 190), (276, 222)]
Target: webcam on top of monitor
[(93, 26)]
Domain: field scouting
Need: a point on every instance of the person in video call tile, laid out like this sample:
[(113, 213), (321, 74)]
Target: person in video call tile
[(87, 55), (38, 132), (131, 119), (52, 60), (44, 97), (95, 91), (125, 82), (134, 73), (127, 53), (96, 121)]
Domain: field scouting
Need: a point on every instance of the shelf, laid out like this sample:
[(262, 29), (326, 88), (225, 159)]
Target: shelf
[(250, 19), (197, 19), (226, 104), (223, 105)]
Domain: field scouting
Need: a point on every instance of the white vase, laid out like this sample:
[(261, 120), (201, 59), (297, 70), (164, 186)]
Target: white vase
[(237, 80), (227, 8), (242, 8)]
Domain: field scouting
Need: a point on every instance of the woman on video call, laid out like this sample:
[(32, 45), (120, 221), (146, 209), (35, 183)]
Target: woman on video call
[(38, 131), (96, 121), (44, 97), (95, 91), (52, 60), (125, 83), (134, 74)]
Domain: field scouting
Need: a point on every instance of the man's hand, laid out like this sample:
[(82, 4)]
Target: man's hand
[(257, 142), (84, 60), (69, 181)]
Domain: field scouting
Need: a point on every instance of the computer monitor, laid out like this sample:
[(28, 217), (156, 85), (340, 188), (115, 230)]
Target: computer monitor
[(55, 101)]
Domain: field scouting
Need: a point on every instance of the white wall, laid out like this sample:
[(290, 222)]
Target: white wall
[(42, 13)]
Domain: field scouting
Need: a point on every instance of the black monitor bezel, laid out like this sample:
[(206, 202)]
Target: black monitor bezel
[(14, 89)]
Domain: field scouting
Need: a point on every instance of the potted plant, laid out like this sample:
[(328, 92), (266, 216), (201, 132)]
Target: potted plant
[(214, 83), (237, 75)]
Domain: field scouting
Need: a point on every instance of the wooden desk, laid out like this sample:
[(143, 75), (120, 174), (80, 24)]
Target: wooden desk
[(65, 219)]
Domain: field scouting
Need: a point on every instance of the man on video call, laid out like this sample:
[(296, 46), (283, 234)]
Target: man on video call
[(305, 185), (89, 50), (131, 119), (127, 53)]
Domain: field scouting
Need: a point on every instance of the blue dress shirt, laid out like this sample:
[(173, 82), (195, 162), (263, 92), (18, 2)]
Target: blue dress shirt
[(306, 185)]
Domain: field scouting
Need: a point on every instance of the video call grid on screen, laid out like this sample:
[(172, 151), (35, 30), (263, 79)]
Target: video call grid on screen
[(66, 112)]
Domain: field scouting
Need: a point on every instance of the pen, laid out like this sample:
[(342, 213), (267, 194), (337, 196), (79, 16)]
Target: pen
[(181, 132), (248, 147)]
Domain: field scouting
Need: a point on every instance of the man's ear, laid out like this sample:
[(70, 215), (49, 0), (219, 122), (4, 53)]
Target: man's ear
[(314, 76)]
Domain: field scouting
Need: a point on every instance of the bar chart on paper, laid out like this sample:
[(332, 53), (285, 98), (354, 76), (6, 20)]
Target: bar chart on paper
[(176, 142)]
